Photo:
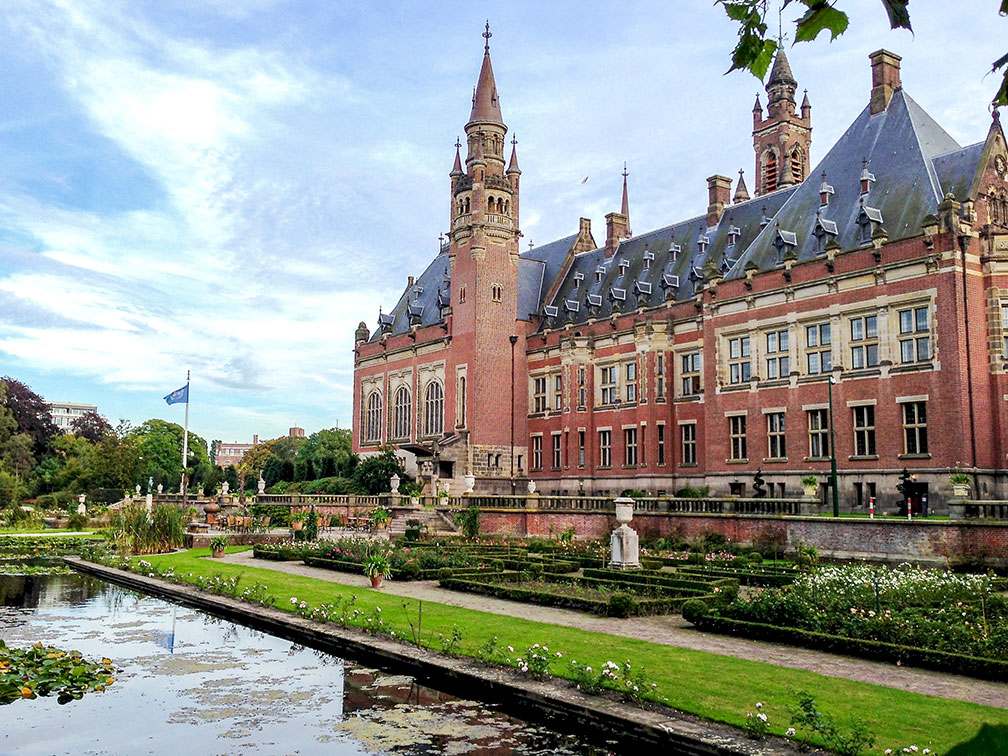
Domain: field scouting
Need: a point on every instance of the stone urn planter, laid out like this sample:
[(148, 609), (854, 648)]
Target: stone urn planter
[(624, 511), (810, 490), (960, 490)]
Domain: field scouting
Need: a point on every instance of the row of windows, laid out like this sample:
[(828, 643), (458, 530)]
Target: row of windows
[(914, 340), (402, 413), (915, 436), (634, 447)]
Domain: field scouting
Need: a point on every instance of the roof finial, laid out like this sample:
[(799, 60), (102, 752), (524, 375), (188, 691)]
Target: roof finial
[(486, 36), (514, 140), (458, 143)]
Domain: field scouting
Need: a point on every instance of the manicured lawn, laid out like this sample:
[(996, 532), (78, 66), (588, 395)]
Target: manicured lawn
[(717, 687)]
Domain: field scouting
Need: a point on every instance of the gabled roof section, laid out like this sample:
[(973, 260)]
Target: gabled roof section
[(650, 285), (420, 304), (955, 170), (901, 145), (533, 287)]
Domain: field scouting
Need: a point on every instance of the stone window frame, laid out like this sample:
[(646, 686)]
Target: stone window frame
[(373, 417), (557, 449), (608, 384), (777, 357), (537, 389), (863, 429), (629, 374), (911, 333), (688, 443), (631, 438), (605, 448), (402, 414), (433, 417), (691, 372), (537, 449), (817, 424), (862, 339), (738, 359), (738, 442), (558, 387), (776, 425), (913, 417)]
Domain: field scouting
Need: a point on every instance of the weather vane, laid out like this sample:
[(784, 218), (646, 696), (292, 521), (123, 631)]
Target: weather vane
[(486, 36)]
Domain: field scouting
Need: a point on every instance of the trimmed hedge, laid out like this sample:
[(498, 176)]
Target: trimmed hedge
[(943, 661), (661, 579), (342, 565), (744, 577), (278, 554), (639, 605)]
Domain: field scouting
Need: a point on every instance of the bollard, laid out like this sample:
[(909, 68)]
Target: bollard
[(871, 507), (909, 510)]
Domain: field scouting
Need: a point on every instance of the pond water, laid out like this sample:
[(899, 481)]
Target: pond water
[(191, 683)]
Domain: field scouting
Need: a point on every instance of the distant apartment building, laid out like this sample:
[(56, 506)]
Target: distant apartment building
[(65, 413)]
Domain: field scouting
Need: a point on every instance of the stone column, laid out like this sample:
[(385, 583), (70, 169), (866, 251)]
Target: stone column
[(624, 551)]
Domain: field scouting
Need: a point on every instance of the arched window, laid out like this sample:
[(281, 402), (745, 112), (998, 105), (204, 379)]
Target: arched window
[(373, 417), (507, 206), (491, 204), (770, 172), (500, 204), (461, 413), (797, 165), (467, 205), (403, 413), (433, 409)]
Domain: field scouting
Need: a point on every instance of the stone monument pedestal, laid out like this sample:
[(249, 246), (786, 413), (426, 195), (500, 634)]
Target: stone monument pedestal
[(623, 545)]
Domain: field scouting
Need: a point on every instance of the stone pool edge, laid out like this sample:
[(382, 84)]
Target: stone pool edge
[(543, 701)]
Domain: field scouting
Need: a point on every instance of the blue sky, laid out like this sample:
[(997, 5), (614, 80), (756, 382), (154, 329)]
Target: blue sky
[(230, 186)]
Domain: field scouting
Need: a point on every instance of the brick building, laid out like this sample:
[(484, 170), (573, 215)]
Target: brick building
[(704, 352)]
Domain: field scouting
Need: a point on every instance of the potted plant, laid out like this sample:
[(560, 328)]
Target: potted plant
[(218, 545), (380, 518), (193, 514), (378, 567), (297, 520), (810, 484), (960, 485)]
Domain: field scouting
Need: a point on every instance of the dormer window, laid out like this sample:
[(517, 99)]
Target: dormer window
[(786, 243), (733, 235), (617, 295), (648, 257), (550, 311), (642, 287), (869, 218), (674, 250), (623, 265), (415, 312), (578, 278), (824, 231), (825, 190), (703, 241), (444, 299), (694, 274), (594, 303), (385, 321), (669, 281), (571, 305), (866, 177), (599, 272)]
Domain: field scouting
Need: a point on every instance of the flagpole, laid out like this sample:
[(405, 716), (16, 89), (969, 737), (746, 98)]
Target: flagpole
[(185, 441)]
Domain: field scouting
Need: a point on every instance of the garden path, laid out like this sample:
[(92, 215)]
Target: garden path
[(673, 631)]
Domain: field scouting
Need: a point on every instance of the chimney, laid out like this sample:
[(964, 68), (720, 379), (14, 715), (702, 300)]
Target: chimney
[(718, 197), (255, 439), (885, 74), (409, 282), (617, 227)]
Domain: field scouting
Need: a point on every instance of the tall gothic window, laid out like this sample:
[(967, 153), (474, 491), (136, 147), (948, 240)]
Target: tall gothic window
[(797, 166), (372, 419), (461, 413), (433, 409), (403, 413)]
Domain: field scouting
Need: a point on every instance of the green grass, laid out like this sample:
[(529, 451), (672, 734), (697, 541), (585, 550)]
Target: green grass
[(709, 685)]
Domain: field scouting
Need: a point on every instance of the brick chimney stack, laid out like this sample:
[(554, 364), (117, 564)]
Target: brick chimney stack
[(718, 197), (885, 74), (617, 227)]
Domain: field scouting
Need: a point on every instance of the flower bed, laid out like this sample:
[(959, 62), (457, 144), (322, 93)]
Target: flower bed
[(663, 579), (925, 617), (606, 597), (746, 575)]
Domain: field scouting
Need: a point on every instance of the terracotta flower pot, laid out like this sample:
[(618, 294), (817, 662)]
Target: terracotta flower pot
[(376, 581), (297, 525), (217, 553)]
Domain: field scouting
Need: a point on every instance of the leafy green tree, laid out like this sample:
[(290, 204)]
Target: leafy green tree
[(374, 473), (754, 52), (161, 451)]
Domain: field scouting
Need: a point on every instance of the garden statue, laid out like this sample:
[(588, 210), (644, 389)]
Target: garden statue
[(138, 489), (81, 509), (531, 486), (160, 487), (225, 488), (261, 483), (150, 483), (624, 553), (394, 483)]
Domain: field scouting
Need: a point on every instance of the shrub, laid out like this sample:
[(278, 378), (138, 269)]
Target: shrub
[(755, 558), (634, 493), (621, 605), (694, 609), (690, 492), (77, 521), (469, 520)]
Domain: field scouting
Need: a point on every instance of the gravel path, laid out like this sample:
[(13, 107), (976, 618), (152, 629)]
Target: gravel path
[(673, 631)]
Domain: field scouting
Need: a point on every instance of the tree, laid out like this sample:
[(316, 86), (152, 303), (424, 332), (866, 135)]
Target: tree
[(374, 473), (91, 426), (754, 52), (161, 451), (31, 413)]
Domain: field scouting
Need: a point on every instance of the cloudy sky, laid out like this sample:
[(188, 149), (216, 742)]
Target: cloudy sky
[(230, 186)]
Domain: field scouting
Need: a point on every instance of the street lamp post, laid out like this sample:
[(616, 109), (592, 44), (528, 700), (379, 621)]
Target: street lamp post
[(832, 438), (514, 340)]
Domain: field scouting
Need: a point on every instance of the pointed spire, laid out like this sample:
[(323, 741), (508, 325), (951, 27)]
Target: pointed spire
[(457, 168), (781, 71), (805, 104), (513, 165), (757, 107), (741, 192), (625, 207), (486, 106)]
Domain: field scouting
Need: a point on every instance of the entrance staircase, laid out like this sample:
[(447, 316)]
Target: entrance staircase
[(432, 522)]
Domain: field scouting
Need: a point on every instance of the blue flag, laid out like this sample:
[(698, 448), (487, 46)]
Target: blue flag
[(179, 396)]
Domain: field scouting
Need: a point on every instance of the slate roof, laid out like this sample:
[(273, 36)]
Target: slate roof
[(914, 163)]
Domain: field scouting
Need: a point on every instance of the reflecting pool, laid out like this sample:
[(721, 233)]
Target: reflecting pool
[(192, 683)]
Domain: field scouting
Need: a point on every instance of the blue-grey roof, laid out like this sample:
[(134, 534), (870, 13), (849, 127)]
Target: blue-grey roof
[(914, 163), (420, 304)]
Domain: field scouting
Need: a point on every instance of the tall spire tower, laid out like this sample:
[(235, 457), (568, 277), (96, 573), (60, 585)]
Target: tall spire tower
[(782, 139), (483, 255)]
